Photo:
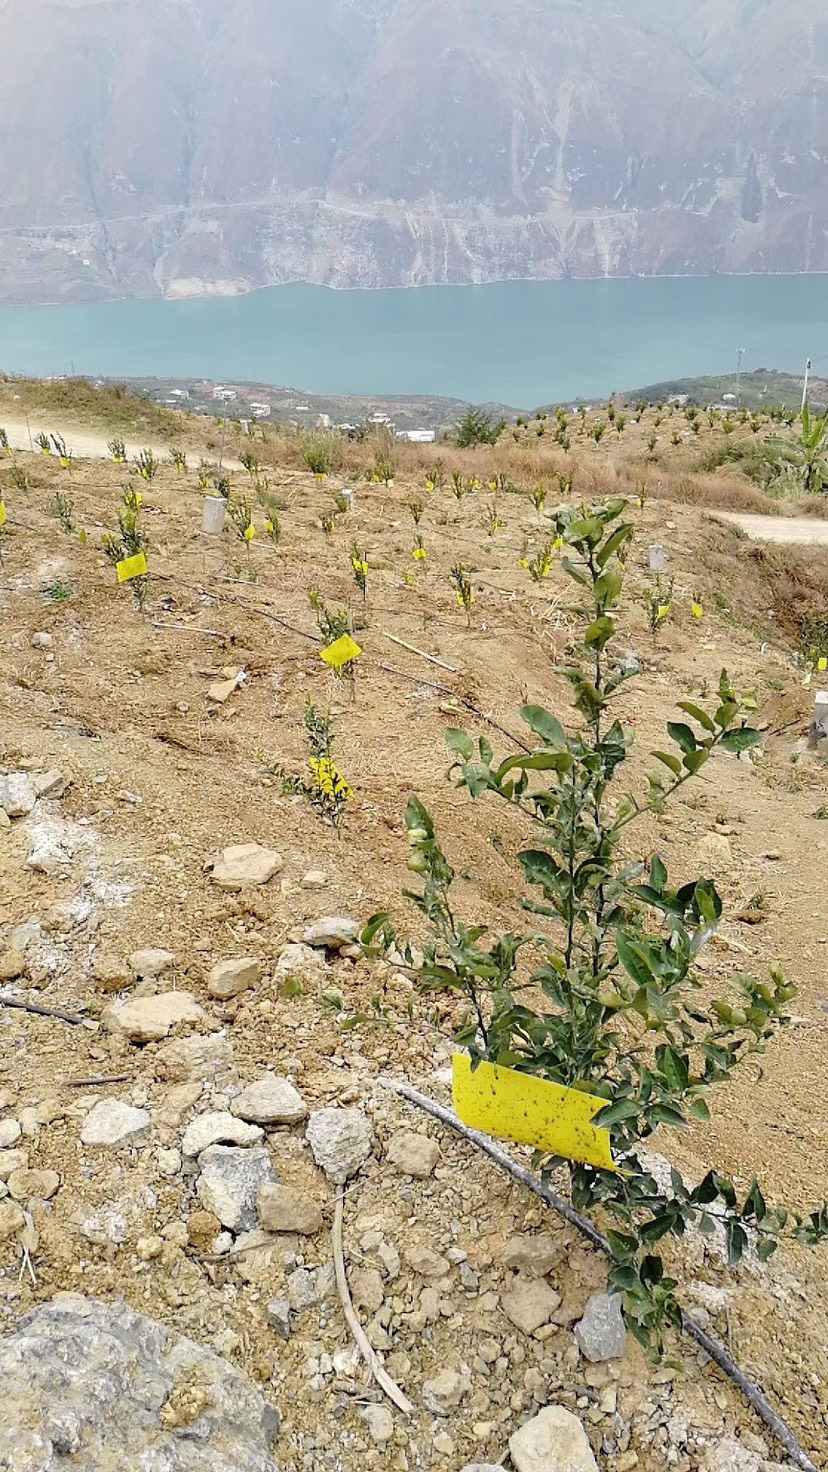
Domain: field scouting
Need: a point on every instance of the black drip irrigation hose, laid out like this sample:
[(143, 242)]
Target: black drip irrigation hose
[(711, 1346)]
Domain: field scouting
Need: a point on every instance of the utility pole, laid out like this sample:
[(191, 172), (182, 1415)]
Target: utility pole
[(741, 354), (805, 386)]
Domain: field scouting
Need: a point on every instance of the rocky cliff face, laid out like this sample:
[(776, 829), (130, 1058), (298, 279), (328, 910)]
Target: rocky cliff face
[(182, 147)]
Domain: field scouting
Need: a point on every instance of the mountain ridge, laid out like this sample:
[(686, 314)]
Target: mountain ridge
[(199, 148)]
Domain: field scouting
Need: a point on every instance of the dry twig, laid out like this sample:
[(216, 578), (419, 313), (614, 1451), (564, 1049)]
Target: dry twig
[(383, 1379)]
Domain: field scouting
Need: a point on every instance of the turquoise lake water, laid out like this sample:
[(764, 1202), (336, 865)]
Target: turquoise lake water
[(518, 342)]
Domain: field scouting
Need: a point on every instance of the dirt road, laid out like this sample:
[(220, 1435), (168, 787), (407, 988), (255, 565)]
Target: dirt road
[(84, 444), (794, 530)]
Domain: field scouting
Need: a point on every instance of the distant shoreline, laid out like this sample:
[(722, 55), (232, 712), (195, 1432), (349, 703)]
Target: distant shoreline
[(174, 299)]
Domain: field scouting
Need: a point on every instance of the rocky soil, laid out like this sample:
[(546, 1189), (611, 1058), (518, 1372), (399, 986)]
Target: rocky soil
[(173, 1148)]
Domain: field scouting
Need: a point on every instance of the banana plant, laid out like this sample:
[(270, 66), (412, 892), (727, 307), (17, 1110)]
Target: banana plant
[(809, 452)]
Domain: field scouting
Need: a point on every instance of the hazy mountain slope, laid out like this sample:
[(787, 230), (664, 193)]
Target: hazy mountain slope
[(179, 146)]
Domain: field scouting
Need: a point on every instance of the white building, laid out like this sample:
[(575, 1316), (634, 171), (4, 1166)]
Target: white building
[(417, 436)]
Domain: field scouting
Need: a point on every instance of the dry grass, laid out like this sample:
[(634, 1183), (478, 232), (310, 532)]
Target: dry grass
[(796, 579)]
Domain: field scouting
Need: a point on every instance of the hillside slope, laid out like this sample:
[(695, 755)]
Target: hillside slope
[(154, 148)]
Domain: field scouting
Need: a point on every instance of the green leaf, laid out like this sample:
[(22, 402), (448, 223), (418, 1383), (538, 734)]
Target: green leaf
[(695, 760), (755, 1204), (741, 740), (461, 743), (615, 1113), (613, 544), (569, 567), (599, 633), (634, 960), (683, 736), (699, 1110), (666, 1114), (545, 725), (541, 868), (669, 761), (417, 816), (658, 873), (698, 714), (542, 761), (736, 1238), (674, 1067)]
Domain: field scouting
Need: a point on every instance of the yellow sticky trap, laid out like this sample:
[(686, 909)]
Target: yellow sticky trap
[(341, 652), (531, 1111), (131, 567), (2, 514), (249, 532), (822, 663), (697, 610)]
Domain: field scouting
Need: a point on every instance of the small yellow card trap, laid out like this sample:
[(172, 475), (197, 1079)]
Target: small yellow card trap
[(2, 514), (531, 1111), (341, 652), (131, 567)]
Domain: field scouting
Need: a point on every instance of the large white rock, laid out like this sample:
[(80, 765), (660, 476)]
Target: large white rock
[(217, 1127), (332, 932), (17, 794), (92, 1385), (270, 1100), (111, 1120), (231, 978), (414, 1155), (151, 962), (149, 1019), (246, 863), (529, 1303), (197, 1057), (553, 1441), (340, 1140), (230, 1181), (602, 1333)]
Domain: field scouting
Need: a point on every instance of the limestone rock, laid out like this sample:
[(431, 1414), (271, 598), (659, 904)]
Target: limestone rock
[(445, 1392), (197, 1057), (414, 1155), (42, 640), (367, 1289), (731, 1455), (529, 1302), (340, 1140), (149, 1019), (278, 1316), (246, 863), (11, 1220), (101, 1387), (38, 1185), (10, 1132), (306, 1287), (534, 1254), (482, 1467), (218, 1127), (12, 1160), (150, 963), (111, 1121), (49, 784), (284, 1209), (553, 1441), (426, 1262), (231, 978), (715, 854), (602, 1333), (314, 879), (202, 1229), (12, 965), (17, 794), (331, 933), (221, 690), (229, 1183), (111, 972), (380, 1423), (270, 1100), (48, 858), (300, 963)]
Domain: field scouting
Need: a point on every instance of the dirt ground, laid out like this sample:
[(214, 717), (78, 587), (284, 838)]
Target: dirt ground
[(160, 777)]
